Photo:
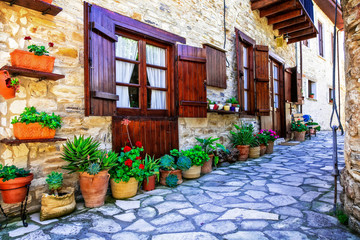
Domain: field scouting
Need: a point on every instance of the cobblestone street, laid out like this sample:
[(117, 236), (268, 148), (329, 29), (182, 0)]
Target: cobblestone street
[(285, 195)]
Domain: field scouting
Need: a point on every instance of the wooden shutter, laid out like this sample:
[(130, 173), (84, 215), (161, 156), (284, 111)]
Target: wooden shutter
[(100, 79), (191, 74), (215, 67), (296, 87), (288, 82), (262, 80)]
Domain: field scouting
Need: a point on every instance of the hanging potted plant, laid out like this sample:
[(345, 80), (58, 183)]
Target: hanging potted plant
[(241, 139), (13, 183), (271, 137), (150, 172), (263, 140), (60, 201), (83, 156), (35, 125), (198, 157), (254, 151), (128, 172), (311, 95), (36, 58), (8, 86), (299, 129), (209, 146)]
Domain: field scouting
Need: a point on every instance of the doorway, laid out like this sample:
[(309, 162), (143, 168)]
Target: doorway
[(277, 97)]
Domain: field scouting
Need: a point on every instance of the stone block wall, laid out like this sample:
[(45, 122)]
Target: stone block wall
[(198, 21), (350, 176)]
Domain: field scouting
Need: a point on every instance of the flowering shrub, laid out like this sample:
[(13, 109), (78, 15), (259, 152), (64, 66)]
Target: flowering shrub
[(128, 164), (38, 50), (298, 126), (270, 134), (13, 83), (262, 138)]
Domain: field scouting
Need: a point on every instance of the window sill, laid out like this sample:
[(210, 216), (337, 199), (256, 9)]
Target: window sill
[(321, 57), (312, 99)]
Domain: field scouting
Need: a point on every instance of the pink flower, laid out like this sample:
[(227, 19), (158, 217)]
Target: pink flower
[(125, 122)]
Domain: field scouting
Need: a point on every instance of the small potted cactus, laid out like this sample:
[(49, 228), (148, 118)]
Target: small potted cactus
[(60, 201), (167, 167)]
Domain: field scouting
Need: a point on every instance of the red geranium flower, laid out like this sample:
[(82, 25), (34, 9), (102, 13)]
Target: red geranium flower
[(127, 149), (138, 158), (141, 166), (51, 44), (128, 163), (138, 144), (27, 38)]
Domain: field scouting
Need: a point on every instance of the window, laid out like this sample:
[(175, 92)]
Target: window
[(312, 89), (331, 95), (332, 47), (321, 41), (306, 42), (276, 85), (142, 75)]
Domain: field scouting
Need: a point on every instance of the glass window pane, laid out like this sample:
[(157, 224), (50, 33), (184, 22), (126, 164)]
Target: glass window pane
[(126, 48), (156, 99), (245, 57), (155, 55), (127, 72), (245, 100), (246, 75), (156, 77), (276, 73), (128, 97), (276, 101), (276, 86)]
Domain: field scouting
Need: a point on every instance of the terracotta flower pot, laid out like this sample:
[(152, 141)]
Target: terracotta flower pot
[(29, 60), (243, 152), (123, 190), (6, 92), (299, 136), (47, 1), (254, 152), (207, 167), (32, 131), (262, 149), (311, 96), (94, 187), (193, 172), (164, 174), (270, 148), (149, 184), (15, 189)]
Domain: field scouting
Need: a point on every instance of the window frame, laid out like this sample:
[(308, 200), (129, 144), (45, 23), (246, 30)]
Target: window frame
[(321, 39), (331, 95), (310, 84), (306, 42), (143, 110)]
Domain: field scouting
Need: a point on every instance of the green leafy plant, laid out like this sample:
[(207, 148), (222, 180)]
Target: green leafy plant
[(196, 155), (171, 180), (243, 135), (54, 181), (254, 142), (167, 163), (209, 146), (262, 138), (210, 102), (13, 83), (30, 115), (128, 164), (314, 124), (183, 163), (232, 100), (151, 167), (298, 126), (270, 134), (175, 153), (93, 169), (38, 50), (11, 172)]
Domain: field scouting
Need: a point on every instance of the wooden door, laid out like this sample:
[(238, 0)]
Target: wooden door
[(277, 98)]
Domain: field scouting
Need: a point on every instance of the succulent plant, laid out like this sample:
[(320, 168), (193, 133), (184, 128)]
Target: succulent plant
[(54, 181), (167, 162), (93, 169), (171, 180), (184, 163)]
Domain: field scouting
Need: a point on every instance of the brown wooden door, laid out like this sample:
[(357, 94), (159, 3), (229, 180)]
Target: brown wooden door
[(277, 98)]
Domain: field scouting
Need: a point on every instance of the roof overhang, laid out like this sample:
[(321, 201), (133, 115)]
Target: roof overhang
[(328, 7)]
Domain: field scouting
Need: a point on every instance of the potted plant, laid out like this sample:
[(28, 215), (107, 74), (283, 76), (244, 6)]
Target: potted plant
[(168, 167), (128, 172), (211, 104), (220, 105), (331, 100), (241, 139), (13, 183), (271, 137), (227, 107), (8, 86), (311, 95), (83, 156), (237, 108), (198, 157), (233, 103), (60, 201), (35, 125), (36, 58), (254, 151), (263, 140), (150, 172), (209, 146), (299, 129)]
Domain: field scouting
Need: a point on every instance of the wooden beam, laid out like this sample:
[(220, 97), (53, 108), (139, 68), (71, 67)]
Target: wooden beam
[(290, 22), (294, 28), (281, 7), (302, 38), (255, 5), (285, 16), (302, 32)]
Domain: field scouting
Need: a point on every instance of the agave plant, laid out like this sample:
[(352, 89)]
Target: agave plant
[(167, 163), (94, 169), (54, 181)]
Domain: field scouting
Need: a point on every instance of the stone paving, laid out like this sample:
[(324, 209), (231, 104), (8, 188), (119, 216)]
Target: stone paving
[(285, 195)]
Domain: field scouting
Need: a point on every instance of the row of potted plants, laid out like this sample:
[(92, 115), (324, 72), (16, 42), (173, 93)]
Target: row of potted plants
[(231, 104), (300, 129)]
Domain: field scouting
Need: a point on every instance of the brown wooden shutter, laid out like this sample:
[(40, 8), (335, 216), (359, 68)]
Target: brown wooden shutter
[(100, 79), (296, 87), (215, 67), (288, 82), (262, 80), (191, 73)]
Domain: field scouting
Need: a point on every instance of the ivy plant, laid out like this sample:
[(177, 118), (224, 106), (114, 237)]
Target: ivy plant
[(31, 115), (11, 172)]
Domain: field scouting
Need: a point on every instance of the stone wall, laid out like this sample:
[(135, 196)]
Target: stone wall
[(350, 176), (198, 21), (319, 69)]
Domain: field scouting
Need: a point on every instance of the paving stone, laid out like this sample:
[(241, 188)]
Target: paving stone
[(37, 235), (319, 220), (147, 212), (159, 191), (126, 205), (242, 235), (220, 227), (253, 225), (214, 195), (36, 218), (189, 211), (92, 236), (140, 226), (171, 205), (286, 190), (185, 236), (322, 207), (220, 189), (288, 224), (168, 218), (212, 208), (176, 197), (286, 235), (126, 217), (199, 199), (258, 206), (203, 218), (105, 225), (176, 227), (309, 196), (189, 190), (282, 200), (23, 230), (151, 201), (256, 194), (108, 209), (238, 213), (258, 182), (289, 211), (66, 229), (129, 236)]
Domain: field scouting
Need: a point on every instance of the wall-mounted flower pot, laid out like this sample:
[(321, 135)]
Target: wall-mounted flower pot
[(23, 131), (15, 190), (207, 167), (94, 187), (243, 152), (57, 206), (164, 174), (122, 190), (311, 96), (254, 152), (299, 136), (6, 92), (232, 109), (270, 148), (262, 149), (149, 184), (193, 172), (29, 60), (227, 108), (237, 109), (47, 1)]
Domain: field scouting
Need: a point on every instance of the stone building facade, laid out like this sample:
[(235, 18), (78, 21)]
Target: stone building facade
[(350, 175), (317, 71)]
